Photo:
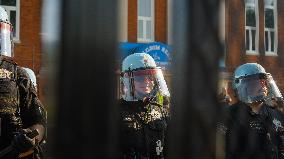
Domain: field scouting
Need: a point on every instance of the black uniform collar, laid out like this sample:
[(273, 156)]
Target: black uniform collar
[(251, 112), (133, 105)]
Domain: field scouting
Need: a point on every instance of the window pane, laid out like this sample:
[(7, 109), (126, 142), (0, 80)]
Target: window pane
[(272, 41), (269, 18), (269, 2), (13, 21), (148, 30), (8, 2), (266, 41), (144, 8), (247, 39), (249, 1), (140, 29), (250, 17), (253, 39)]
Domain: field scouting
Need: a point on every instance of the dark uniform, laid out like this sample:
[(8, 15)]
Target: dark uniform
[(143, 129), (253, 136), (19, 106)]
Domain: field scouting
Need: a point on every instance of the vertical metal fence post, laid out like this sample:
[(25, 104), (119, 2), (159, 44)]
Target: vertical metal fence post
[(195, 66), (86, 119)]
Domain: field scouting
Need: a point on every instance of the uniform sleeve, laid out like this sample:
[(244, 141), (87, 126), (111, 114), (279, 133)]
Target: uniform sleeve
[(281, 138), (281, 147), (31, 109)]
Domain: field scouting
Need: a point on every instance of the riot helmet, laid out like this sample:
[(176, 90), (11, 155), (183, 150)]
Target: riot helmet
[(141, 78), (31, 76), (6, 43), (251, 83)]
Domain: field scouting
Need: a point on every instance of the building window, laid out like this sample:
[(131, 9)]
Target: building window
[(13, 9), (251, 8), (145, 24), (270, 27)]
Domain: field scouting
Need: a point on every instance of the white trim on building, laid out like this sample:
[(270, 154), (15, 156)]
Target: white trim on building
[(123, 20)]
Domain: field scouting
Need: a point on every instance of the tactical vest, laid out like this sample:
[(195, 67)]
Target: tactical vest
[(251, 135), (10, 120), (142, 130)]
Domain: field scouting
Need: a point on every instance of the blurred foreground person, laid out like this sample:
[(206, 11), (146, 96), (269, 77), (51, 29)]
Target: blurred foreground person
[(22, 116), (144, 108), (32, 76), (252, 129), (223, 98)]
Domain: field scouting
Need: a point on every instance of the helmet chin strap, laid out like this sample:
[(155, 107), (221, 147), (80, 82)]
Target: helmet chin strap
[(131, 82)]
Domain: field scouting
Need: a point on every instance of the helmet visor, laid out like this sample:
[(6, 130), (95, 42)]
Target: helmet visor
[(143, 83), (252, 89), (5, 39), (273, 90)]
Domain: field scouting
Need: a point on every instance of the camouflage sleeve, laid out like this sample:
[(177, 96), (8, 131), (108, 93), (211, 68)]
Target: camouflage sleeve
[(31, 110)]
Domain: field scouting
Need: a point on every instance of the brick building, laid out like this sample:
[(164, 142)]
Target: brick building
[(254, 32), (26, 19), (143, 21)]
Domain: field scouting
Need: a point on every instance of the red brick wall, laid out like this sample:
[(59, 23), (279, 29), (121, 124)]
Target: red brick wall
[(278, 72), (160, 21), (132, 21), (28, 49), (235, 41), (235, 32)]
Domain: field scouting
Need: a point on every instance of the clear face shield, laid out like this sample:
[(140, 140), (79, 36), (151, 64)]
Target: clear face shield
[(252, 88), (6, 39), (274, 93), (141, 84)]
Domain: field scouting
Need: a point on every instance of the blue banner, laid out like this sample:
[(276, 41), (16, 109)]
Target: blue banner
[(159, 51)]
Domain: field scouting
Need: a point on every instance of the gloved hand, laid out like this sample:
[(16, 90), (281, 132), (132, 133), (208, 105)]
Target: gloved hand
[(21, 142)]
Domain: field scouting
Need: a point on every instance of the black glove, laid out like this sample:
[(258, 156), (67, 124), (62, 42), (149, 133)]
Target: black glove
[(21, 142)]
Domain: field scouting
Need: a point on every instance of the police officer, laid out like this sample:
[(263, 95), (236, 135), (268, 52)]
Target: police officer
[(253, 130), (21, 112), (144, 108), (32, 76)]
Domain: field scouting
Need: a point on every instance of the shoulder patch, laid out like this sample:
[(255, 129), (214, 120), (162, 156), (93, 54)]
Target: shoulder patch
[(5, 73), (277, 124)]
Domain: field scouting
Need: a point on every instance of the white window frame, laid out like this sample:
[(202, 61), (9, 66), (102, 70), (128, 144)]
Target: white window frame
[(270, 30), (17, 27), (250, 29), (144, 20)]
